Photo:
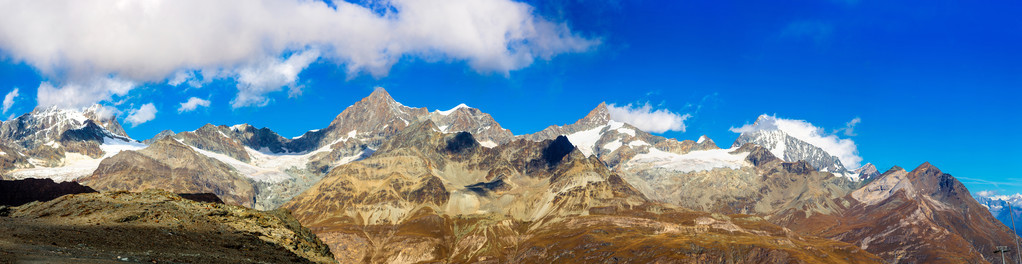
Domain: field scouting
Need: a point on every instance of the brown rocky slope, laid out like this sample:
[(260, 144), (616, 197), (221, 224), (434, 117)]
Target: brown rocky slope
[(922, 216), (428, 196), (152, 226)]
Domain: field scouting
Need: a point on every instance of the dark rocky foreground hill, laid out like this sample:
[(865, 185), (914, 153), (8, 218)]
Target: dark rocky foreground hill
[(152, 226), (19, 192)]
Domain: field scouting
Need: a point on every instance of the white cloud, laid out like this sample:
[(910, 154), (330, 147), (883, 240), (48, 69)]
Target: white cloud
[(192, 103), (153, 41), (649, 120), (9, 99), (82, 94), (141, 115), (257, 80), (986, 193), (104, 112), (844, 149)]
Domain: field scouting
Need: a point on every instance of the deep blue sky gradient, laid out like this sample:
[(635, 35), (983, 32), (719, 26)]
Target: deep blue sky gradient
[(933, 81)]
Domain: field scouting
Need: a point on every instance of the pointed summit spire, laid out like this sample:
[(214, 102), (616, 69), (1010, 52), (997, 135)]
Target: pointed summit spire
[(379, 95), (598, 116)]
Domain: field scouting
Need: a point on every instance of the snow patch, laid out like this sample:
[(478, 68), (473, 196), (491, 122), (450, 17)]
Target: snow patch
[(448, 112), (75, 165), (487, 143), (701, 139), (629, 131), (585, 141), (613, 145), (700, 160)]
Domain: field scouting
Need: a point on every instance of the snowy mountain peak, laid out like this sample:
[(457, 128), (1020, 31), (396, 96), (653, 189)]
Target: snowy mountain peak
[(791, 149), (701, 139), (867, 171)]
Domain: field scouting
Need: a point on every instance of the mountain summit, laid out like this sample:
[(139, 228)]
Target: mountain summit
[(790, 148)]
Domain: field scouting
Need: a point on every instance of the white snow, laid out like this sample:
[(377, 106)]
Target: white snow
[(443, 128), (3, 153), (238, 127), (76, 165), (636, 143), (628, 131), (310, 131), (585, 141), (701, 139), (112, 146), (613, 145), (448, 112), (701, 160), (487, 143), (615, 125)]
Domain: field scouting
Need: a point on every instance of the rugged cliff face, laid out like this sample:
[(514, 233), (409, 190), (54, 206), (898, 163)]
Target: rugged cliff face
[(923, 215), (432, 196), (748, 180), (152, 226), (171, 165)]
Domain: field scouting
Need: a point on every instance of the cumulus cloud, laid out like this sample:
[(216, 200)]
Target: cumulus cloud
[(645, 118), (192, 103), (844, 149), (105, 112), (151, 41), (141, 115), (9, 99), (81, 94), (270, 76)]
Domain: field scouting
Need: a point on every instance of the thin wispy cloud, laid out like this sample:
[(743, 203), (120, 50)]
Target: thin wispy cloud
[(192, 104), (9, 99), (849, 129)]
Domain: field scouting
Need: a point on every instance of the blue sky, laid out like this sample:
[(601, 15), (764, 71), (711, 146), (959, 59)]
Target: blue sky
[(933, 81)]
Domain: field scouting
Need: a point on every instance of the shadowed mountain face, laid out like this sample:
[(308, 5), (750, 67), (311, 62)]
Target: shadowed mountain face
[(152, 226), (924, 216), (432, 196), (18, 192)]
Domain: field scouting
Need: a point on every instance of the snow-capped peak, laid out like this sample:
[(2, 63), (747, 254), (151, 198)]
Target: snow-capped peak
[(701, 139), (448, 112)]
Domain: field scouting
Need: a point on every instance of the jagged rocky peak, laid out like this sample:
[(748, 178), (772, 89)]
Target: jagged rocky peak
[(790, 148), (45, 124), (597, 117), (472, 120), (868, 171), (158, 136)]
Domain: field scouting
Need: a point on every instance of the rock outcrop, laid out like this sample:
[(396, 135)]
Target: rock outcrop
[(921, 216)]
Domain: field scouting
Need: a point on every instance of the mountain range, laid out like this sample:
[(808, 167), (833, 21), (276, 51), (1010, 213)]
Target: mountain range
[(388, 183)]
